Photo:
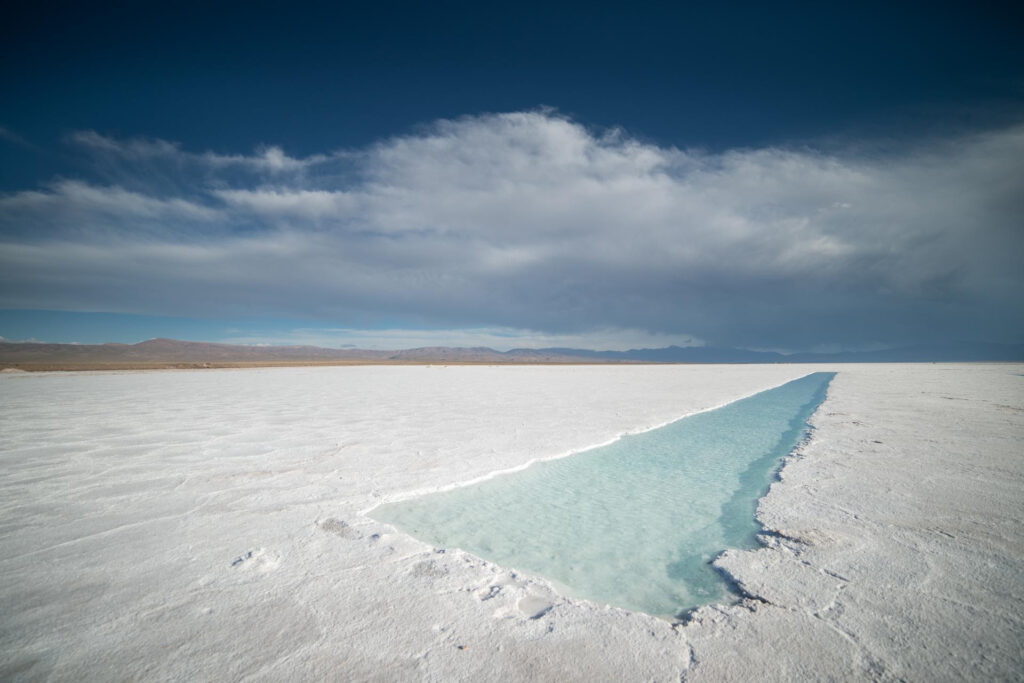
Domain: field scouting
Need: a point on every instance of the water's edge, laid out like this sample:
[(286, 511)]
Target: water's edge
[(764, 532), (714, 508), (417, 493)]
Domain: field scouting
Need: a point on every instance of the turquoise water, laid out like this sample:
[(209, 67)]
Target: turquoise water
[(635, 523)]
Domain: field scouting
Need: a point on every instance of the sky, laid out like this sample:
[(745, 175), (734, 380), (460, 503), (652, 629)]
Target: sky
[(389, 175)]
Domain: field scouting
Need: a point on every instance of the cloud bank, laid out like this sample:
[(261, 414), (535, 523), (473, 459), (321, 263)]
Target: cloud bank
[(531, 221)]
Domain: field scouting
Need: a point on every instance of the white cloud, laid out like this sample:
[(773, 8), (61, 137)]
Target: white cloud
[(529, 221), (137, 148), (498, 338), (267, 158), (88, 214), (83, 198), (311, 204)]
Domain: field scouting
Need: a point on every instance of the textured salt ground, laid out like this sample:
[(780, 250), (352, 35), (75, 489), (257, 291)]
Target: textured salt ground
[(206, 525), (898, 550)]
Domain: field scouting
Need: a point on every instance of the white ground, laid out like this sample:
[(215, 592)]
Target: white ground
[(206, 525)]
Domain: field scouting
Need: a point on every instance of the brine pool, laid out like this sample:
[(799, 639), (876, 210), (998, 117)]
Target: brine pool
[(634, 523)]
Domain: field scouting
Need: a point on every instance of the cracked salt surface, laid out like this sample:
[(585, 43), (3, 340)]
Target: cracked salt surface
[(126, 497), (635, 523)]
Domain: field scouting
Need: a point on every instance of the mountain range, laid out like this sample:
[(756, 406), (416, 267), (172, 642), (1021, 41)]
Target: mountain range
[(157, 353)]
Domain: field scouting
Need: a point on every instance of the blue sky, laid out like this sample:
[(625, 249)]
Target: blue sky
[(791, 177)]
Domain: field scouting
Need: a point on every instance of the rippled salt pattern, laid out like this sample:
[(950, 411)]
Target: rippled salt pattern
[(634, 523)]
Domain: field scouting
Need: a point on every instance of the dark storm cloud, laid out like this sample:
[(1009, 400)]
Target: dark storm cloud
[(529, 220)]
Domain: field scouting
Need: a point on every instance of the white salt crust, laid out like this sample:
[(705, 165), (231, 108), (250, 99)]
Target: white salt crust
[(206, 525)]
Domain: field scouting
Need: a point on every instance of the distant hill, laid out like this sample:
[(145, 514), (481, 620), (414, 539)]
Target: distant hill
[(931, 353), (669, 354), (171, 353), (949, 352)]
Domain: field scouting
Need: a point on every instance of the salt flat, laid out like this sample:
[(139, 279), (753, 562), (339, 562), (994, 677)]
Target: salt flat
[(209, 525)]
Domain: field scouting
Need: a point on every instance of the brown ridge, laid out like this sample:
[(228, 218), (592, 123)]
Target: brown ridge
[(171, 353)]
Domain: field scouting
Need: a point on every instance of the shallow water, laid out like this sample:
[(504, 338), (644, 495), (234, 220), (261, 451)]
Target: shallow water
[(634, 523)]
